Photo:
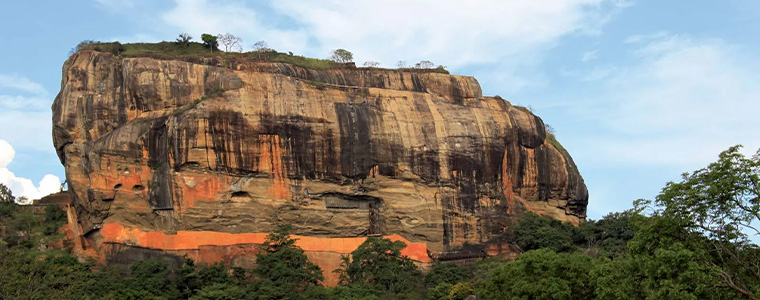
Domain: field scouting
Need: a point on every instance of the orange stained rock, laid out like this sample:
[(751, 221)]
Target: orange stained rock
[(531, 170), (110, 178), (270, 160), (203, 187), (184, 240)]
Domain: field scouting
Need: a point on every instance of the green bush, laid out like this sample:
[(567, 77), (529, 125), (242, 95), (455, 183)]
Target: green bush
[(450, 273), (378, 263), (538, 232), (283, 265), (541, 274)]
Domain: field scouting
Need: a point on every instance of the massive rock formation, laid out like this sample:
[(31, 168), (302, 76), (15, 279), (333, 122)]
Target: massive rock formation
[(170, 155)]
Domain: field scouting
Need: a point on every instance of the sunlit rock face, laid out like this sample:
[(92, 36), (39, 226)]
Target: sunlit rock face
[(228, 148)]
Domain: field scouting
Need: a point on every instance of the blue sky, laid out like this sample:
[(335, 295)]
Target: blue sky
[(638, 91)]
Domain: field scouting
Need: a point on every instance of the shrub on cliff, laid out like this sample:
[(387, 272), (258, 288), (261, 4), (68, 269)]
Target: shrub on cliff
[(114, 48)]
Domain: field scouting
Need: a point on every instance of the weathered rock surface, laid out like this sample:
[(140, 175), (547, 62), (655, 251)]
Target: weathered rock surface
[(169, 147)]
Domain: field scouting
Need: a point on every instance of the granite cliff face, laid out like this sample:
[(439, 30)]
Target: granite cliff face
[(168, 156)]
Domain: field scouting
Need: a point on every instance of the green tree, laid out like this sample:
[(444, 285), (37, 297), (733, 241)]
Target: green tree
[(442, 277), (7, 205), (440, 291), (29, 276), (54, 218), (152, 277), (537, 232), (450, 273), (341, 56), (379, 264), (191, 278), (608, 236), (6, 195), (222, 291), (720, 205), (541, 274), (664, 262), (210, 41), (283, 265), (22, 225)]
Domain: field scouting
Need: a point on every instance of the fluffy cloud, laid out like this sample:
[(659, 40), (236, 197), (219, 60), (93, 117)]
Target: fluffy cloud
[(6, 154), (23, 187), (501, 38), (21, 83), (201, 16), (25, 113), (451, 32), (683, 101)]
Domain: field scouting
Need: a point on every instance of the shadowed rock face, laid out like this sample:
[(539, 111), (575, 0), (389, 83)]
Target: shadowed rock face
[(336, 153)]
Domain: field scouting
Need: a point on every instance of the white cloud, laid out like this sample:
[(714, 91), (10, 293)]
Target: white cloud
[(27, 130), (684, 101), (25, 113), (215, 17), (449, 32), (507, 38), (23, 187), (18, 102), (6, 154), (21, 83)]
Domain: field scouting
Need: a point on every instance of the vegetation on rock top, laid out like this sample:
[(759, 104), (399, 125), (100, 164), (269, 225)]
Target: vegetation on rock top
[(193, 51)]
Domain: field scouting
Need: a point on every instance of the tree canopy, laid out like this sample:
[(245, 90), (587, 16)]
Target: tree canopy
[(378, 263), (341, 56), (284, 265), (6, 195), (210, 41)]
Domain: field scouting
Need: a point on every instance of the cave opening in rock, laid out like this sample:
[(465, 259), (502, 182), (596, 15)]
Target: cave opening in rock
[(241, 196)]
